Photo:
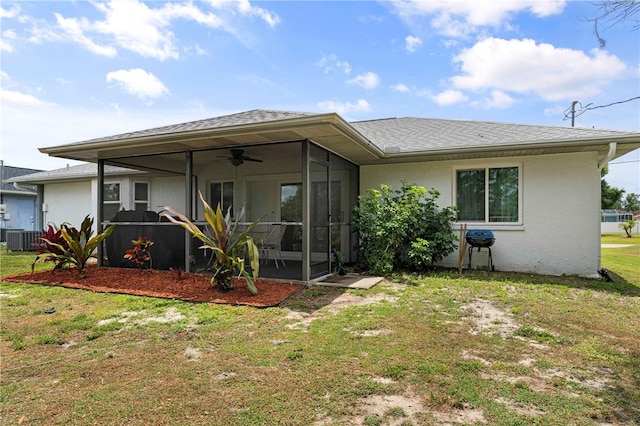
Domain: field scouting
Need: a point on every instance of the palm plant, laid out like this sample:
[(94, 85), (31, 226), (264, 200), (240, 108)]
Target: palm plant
[(229, 244)]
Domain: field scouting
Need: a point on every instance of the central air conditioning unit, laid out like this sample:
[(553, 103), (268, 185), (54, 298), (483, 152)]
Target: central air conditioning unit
[(3, 208)]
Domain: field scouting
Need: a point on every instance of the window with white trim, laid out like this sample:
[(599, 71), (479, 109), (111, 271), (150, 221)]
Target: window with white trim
[(221, 192), (111, 200), (490, 194), (140, 196)]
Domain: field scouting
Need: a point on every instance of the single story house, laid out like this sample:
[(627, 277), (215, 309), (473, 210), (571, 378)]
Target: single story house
[(18, 208), (537, 188)]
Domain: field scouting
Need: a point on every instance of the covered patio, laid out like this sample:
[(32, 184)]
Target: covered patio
[(294, 172)]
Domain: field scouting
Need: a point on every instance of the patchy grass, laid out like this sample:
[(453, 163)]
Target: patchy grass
[(500, 349)]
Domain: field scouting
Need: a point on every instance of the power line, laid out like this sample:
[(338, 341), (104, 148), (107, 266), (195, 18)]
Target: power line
[(624, 162), (571, 112)]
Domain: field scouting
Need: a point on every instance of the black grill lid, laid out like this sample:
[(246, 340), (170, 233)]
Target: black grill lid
[(480, 237)]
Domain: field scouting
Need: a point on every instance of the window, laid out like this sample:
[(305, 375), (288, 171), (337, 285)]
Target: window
[(221, 193), (111, 198), (140, 196), (488, 194)]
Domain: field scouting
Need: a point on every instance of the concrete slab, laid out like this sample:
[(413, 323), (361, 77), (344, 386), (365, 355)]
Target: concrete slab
[(349, 281), (616, 245)]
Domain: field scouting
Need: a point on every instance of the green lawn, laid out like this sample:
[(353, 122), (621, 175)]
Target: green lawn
[(499, 349)]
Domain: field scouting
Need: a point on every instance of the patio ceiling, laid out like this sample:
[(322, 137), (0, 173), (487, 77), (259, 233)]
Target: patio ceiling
[(163, 151)]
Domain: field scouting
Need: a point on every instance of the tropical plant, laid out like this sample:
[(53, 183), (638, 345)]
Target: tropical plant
[(402, 229), (51, 242), (228, 242), (140, 253), (80, 246), (628, 225)]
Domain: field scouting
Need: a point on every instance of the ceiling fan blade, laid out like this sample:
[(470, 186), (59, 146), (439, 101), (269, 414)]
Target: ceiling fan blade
[(252, 159)]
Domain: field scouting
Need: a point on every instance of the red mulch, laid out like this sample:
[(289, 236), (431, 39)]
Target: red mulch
[(166, 284)]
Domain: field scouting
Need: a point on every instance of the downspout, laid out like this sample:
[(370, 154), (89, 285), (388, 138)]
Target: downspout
[(601, 164), (188, 207), (612, 151), (100, 210)]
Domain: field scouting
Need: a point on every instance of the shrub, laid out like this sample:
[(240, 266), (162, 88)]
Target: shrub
[(79, 248), (402, 229), (140, 254)]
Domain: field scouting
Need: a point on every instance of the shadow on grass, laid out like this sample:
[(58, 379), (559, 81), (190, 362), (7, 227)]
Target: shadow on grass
[(314, 298), (619, 285)]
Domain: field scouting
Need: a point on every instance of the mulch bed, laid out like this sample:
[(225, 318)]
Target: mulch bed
[(166, 284)]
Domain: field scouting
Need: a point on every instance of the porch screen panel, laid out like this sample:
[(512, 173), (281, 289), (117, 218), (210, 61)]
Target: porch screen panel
[(291, 211)]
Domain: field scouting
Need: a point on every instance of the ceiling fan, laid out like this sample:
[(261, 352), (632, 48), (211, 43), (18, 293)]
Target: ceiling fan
[(237, 157)]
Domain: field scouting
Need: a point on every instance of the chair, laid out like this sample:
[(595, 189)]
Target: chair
[(273, 244)]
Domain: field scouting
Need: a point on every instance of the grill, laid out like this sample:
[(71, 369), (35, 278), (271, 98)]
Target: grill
[(480, 238)]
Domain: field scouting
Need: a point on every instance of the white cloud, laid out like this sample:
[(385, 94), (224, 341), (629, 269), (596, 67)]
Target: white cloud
[(19, 98), (498, 100), (412, 43), (522, 66), (138, 82), (74, 29), (448, 97), (459, 18), (400, 87), (246, 8), (345, 107), (5, 45), (367, 80), (330, 62), (11, 13), (144, 27)]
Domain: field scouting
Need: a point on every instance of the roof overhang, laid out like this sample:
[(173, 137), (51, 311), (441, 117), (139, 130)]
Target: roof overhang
[(625, 144), (327, 130)]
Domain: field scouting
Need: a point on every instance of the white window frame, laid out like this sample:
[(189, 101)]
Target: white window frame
[(487, 167), (135, 201)]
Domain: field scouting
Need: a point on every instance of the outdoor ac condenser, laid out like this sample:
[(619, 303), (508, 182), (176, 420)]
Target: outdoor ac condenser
[(3, 208)]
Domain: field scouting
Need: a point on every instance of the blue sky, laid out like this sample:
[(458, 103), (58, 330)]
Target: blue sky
[(75, 70)]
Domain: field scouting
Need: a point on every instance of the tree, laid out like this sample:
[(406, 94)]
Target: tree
[(631, 203), (610, 197), (613, 12), (628, 225)]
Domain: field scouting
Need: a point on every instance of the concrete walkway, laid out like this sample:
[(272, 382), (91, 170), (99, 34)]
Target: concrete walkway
[(616, 245), (350, 281)]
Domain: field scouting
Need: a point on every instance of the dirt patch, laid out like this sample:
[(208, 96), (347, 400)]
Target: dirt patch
[(331, 306), (488, 319), (164, 284)]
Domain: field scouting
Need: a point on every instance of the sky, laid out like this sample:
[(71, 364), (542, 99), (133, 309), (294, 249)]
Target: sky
[(75, 70)]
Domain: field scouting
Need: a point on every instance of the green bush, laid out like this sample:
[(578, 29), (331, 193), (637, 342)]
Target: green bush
[(402, 229)]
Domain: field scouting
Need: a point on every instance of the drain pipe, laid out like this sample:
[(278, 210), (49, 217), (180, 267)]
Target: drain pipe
[(612, 151), (601, 164)]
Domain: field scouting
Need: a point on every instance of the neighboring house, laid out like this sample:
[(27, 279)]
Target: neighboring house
[(69, 194), (18, 208), (611, 220), (536, 187)]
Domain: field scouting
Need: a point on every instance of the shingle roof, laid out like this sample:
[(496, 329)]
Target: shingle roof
[(408, 134), (9, 172), (238, 119), (81, 171)]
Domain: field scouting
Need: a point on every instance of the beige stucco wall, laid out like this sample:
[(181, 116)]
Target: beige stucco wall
[(559, 231), (68, 202)]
